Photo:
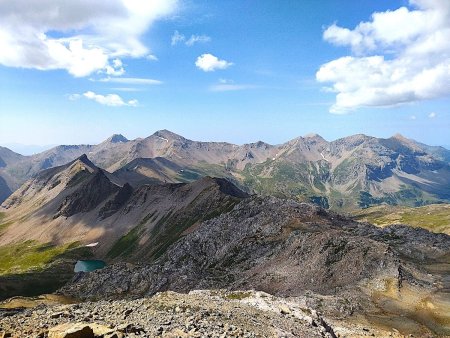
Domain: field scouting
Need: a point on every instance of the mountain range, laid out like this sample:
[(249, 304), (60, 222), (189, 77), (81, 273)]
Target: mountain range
[(352, 172), (167, 213)]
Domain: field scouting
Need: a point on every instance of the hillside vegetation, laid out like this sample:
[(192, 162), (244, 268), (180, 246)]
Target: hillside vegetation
[(434, 217)]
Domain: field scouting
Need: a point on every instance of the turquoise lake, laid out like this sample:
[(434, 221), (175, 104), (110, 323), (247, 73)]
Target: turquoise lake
[(89, 265)]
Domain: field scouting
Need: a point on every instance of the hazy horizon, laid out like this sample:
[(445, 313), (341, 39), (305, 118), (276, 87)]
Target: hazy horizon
[(31, 149)]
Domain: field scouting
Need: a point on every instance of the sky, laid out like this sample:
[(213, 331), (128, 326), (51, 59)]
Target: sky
[(76, 72)]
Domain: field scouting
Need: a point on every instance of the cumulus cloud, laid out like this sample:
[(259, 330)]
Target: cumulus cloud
[(210, 63), (432, 115), (177, 38), (398, 57), (111, 100), (116, 68), (80, 36)]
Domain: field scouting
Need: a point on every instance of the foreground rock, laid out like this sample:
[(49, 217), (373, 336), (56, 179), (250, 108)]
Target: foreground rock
[(201, 313), (169, 314)]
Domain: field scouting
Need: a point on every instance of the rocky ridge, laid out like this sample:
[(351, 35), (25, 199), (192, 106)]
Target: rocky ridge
[(274, 245), (351, 172)]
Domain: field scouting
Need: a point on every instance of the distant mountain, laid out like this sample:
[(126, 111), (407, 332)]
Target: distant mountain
[(352, 172), (27, 149)]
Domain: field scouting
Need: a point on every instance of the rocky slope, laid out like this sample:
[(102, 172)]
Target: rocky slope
[(79, 202), (286, 249), (197, 314), (355, 171), (200, 313)]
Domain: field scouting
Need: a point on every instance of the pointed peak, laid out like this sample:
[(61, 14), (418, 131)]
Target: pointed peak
[(168, 135), (85, 160), (406, 142), (117, 138), (224, 185), (258, 144), (400, 137), (312, 135)]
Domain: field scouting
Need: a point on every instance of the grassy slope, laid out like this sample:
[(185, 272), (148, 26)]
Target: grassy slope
[(31, 268), (434, 217), (31, 255)]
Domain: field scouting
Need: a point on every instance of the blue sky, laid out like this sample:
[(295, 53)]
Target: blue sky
[(237, 71)]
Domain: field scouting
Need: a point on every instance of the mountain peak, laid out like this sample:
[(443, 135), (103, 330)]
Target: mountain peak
[(399, 136), (117, 138), (168, 135), (86, 161), (312, 135), (405, 140)]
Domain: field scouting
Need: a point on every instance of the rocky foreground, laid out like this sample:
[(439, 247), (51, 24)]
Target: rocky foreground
[(197, 314)]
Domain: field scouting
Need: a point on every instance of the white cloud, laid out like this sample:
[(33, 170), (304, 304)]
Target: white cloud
[(151, 57), (177, 38), (210, 63), (112, 100), (226, 85), (230, 87), (399, 57), (116, 69), (432, 115), (413, 117), (73, 97), (80, 36), (127, 89), (197, 39), (132, 80)]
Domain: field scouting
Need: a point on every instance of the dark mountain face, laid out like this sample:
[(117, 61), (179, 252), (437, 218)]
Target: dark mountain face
[(93, 191), (117, 138), (352, 172), (5, 192)]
